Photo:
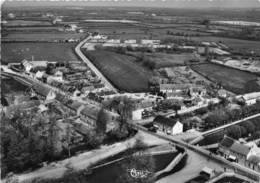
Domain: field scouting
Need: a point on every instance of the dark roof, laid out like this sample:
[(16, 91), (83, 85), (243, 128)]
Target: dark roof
[(227, 142), (44, 91), (240, 148), (165, 121)]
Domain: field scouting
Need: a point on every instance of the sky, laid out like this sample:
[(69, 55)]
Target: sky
[(141, 3)]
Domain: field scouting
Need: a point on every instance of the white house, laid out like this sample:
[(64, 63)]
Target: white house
[(39, 74), (150, 41), (27, 65), (114, 41), (130, 41), (168, 125), (51, 95), (250, 98)]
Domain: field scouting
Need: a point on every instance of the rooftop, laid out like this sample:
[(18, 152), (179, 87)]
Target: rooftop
[(164, 120)]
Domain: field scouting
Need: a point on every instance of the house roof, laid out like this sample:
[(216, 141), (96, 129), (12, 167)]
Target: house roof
[(91, 111), (250, 96), (44, 91), (240, 148), (227, 142), (165, 121)]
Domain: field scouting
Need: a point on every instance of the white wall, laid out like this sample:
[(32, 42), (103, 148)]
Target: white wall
[(178, 128)]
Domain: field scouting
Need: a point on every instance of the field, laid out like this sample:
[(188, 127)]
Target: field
[(233, 43), (41, 36), (234, 80), (27, 23), (16, 52), (121, 70), (162, 60)]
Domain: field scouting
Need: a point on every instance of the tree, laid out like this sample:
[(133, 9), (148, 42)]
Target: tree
[(172, 104), (206, 22), (154, 81), (101, 122), (249, 126), (234, 131)]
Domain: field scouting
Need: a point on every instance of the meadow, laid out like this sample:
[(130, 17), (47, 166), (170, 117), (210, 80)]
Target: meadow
[(121, 70), (234, 80), (41, 36), (162, 60), (16, 52)]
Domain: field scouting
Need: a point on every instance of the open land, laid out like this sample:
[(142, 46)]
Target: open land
[(166, 60), (233, 80), (16, 52), (121, 70), (41, 36)]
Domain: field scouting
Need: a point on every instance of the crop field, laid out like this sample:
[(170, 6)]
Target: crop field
[(234, 80), (233, 43), (16, 52), (41, 36), (162, 60), (121, 70), (27, 23)]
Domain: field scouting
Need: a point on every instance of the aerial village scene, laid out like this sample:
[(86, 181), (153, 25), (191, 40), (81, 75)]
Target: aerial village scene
[(137, 91)]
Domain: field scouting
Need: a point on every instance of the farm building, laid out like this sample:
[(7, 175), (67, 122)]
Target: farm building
[(140, 107), (150, 41), (250, 98), (233, 150), (168, 125), (130, 41)]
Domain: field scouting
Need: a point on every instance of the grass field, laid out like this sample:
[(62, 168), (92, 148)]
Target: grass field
[(16, 52), (166, 60), (27, 23), (41, 36), (234, 80), (233, 43), (121, 70)]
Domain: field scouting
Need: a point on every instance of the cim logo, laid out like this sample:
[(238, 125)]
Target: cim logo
[(138, 174)]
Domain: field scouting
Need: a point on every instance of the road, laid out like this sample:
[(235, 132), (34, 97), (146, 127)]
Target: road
[(230, 124), (203, 152), (201, 136), (92, 66)]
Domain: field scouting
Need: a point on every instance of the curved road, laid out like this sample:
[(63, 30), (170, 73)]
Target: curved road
[(91, 65)]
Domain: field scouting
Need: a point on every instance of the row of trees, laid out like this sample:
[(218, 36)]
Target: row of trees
[(28, 138), (223, 116)]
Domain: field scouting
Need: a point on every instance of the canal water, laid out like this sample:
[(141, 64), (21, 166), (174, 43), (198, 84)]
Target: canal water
[(112, 173)]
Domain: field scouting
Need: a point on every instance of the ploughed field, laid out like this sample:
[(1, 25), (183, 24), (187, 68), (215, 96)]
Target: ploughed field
[(234, 80), (16, 52), (121, 70)]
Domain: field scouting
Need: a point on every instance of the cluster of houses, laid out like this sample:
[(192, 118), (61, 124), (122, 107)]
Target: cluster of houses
[(249, 98), (204, 48), (70, 77), (247, 154), (128, 42)]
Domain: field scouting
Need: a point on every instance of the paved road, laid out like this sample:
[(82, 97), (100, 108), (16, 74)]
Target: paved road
[(92, 66), (199, 150), (230, 124), (215, 130)]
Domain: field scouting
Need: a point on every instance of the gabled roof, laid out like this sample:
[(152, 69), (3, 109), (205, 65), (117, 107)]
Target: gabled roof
[(240, 148), (90, 111), (165, 121), (227, 142), (44, 91)]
